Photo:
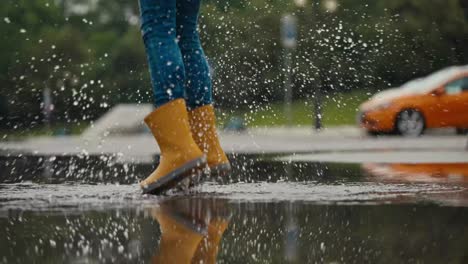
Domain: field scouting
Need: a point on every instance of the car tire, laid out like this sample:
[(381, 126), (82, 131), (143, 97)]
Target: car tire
[(462, 131), (410, 123)]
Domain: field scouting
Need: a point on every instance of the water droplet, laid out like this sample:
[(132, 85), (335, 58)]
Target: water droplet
[(52, 243)]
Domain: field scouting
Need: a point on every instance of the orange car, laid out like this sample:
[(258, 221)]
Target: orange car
[(438, 100)]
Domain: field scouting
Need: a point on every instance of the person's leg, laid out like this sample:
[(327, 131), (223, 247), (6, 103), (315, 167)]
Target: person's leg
[(198, 87), (158, 26), (197, 71), (180, 155)]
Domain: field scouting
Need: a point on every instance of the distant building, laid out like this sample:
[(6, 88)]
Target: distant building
[(83, 7), (77, 7)]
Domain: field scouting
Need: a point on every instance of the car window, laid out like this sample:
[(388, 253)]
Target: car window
[(457, 86)]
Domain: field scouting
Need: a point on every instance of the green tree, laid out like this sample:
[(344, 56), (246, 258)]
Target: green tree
[(96, 59)]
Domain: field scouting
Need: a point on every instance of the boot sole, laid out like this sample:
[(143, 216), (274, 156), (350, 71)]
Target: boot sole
[(170, 180)]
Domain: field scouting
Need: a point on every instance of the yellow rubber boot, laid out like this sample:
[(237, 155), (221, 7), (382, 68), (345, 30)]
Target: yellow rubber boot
[(208, 249), (180, 155), (178, 242), (203, 126)]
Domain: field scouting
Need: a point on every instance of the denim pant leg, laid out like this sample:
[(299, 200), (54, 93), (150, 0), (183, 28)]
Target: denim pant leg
[(158, 26), (197, 71)]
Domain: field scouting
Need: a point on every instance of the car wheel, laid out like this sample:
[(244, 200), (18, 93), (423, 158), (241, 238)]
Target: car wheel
[(462, 131), (410, 123)]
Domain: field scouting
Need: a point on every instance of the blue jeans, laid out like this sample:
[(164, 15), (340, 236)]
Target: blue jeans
[(177, 63)]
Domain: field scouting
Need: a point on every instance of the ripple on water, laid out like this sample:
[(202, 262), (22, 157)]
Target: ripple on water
[(314, 192), (33, 196)]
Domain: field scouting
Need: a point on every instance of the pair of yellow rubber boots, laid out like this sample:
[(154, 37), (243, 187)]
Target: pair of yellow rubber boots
[(188, 142)]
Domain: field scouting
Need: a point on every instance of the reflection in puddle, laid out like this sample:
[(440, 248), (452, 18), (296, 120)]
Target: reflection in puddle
[(432, 172), (227, 232), (191, 230)]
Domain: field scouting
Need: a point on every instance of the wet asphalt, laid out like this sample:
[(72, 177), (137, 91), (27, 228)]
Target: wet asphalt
[(90, 210)]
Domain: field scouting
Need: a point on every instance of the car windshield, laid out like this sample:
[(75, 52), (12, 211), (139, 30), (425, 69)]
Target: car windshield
[(431, 82)]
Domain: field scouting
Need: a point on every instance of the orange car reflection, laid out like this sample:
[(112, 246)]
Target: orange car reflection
[(436, 101), (431, 172)]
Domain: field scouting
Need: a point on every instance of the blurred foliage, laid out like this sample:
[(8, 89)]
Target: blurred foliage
[(338, 109), (90, 53)]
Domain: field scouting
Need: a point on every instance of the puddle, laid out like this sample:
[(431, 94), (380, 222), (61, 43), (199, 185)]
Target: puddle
[(90, 209), (72, 196), (346, 193), (206, 229)]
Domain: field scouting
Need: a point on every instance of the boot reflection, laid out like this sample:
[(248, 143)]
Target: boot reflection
[(191, 230), (208, 248)]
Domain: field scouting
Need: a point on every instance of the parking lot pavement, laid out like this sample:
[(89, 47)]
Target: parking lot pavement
[(142, 147)]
